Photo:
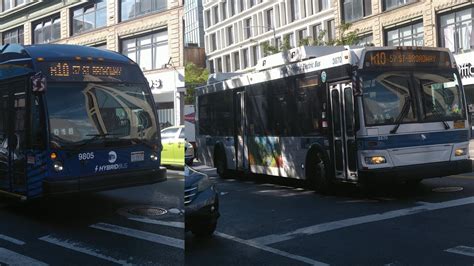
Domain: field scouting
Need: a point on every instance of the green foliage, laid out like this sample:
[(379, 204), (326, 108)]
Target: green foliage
[(345, 37), (285, 46), (269, 49), (194, 76)]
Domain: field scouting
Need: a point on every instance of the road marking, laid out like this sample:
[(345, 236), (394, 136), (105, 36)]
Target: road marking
[(12, 240), (165, 240), (270, 249), (153, 221), (325, 227), (9, 257), (80, 247), (463, 250)]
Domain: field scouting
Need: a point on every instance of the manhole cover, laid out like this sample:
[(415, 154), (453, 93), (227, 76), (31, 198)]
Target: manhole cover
[(447, 189), (146, 211)]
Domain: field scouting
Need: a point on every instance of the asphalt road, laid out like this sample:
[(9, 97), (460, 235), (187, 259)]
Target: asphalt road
[(121, 226), (273, 222)]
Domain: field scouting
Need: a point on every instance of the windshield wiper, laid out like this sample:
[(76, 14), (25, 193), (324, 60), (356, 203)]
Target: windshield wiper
[(440, 115), (95, 137), (141, 141), (403, 114)]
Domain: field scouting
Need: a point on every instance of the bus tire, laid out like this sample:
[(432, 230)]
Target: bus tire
[(220, 163), (318, 175)]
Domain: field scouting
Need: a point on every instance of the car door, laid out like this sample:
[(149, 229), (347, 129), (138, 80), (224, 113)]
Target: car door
[(168, 136)]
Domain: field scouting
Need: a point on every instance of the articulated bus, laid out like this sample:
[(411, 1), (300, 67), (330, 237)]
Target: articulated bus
[(74, 119), (338, 114)]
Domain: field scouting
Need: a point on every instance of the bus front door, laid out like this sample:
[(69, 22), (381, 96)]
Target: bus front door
[(240, 132), (13, 102), (343, 131)]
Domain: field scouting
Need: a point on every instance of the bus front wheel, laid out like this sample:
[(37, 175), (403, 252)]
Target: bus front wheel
[(318, 177)]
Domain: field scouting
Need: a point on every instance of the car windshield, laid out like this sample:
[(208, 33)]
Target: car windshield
[(90, 113), (410, 97)]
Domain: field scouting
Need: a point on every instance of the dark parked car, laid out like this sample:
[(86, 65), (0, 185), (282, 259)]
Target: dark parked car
[(201, 203)]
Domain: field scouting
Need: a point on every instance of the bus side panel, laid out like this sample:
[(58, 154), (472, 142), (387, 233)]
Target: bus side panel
[(281, 156)]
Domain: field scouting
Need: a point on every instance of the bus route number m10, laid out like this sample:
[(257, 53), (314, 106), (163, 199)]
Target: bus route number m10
[(379, 58)]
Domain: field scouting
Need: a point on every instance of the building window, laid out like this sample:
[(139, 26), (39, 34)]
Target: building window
[(135, 8), (302, 34), (245, 58), (294, 10), (248, 28), (230, 35), (149, 52), (254, 55), (208, 18), (47, 30), (9, 4), (251, 3), (213, 42), (13, 36), (270, 24), (242, 5), (365, 40), (211, 66), (356, 9), (219, 64), (331, 28), (291, 39), (232, 7), (227, 63), (236, 61), (455, 30), (215, 10), (278, 42), (102, 46), (324, 4), (410, 35), (224, 10), (318, 33), (89, 17), (389, 4)]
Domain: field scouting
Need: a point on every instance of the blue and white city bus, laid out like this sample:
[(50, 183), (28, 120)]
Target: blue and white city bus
[(74, 119), (338, 114)]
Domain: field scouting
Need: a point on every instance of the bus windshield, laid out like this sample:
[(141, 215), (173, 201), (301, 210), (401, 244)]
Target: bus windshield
[(95, 113), (392, 97)]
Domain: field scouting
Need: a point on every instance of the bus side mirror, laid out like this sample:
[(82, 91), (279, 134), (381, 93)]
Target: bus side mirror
[(38, 83)]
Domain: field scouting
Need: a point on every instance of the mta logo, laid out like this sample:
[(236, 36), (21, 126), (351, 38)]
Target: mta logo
[(112, 157)]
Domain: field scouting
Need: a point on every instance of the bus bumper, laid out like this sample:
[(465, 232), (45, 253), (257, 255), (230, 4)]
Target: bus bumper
[(404, 173), (104, 182)]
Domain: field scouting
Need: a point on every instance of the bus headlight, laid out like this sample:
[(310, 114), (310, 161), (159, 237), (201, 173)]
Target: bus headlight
[(58, 166), (375, 160), (460, 152), (154, 157)]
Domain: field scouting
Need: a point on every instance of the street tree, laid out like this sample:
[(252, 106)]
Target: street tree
[(194, 76)]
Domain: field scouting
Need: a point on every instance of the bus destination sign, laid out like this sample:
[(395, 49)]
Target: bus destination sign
[(68, 69), (406, 58)]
